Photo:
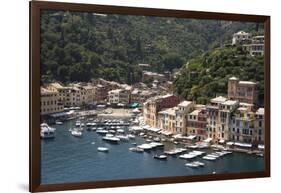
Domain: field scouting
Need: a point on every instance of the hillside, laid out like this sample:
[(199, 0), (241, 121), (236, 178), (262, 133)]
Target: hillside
[(81, 46), (207, 75)]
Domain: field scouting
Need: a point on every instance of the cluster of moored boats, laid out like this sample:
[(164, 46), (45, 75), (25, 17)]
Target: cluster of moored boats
[(112, 131)]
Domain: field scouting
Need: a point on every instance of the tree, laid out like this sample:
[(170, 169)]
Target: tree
[(172, 61)]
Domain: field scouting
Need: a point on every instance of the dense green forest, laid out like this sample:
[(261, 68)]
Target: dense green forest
[(81, 46), (207, 75)]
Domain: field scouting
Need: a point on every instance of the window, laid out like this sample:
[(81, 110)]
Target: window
[(260, 123)]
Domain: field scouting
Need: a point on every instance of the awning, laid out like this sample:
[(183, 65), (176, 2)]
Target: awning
[(260, 146), (135, 104), (136, 110), (230, 143), (243, 144), (191, 137), (208, 140), (221, 141), (166, 133)]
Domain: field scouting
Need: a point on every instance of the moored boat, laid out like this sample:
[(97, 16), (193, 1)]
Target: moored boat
[(111, 139), (136, 149), (103, 149), (192, 165), (161, 157), (102, 132), (76, 133), (209, 158), (47, 131)]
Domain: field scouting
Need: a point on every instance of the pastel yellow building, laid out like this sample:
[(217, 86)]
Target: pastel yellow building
[(50, 102)]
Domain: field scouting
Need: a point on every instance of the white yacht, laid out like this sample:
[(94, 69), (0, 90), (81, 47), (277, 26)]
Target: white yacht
[(103, 149), (102, 132), (111, 138), (76, 133), (47, 131)]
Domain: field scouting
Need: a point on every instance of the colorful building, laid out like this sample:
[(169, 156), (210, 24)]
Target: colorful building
[(50, 102), (156, 104), (243, 91)]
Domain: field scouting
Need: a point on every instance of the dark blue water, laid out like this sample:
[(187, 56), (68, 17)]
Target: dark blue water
[(70, 159)]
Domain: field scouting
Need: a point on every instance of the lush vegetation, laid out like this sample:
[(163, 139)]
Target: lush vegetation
[(207, 75), (81, 46)]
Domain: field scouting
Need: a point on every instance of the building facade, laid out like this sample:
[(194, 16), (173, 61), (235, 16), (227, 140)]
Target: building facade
[(243, 91), (156, 104), (119, 96), (241, 37), (226, 110), (50, 102), (197, 124), (213, 118), (259, 128)]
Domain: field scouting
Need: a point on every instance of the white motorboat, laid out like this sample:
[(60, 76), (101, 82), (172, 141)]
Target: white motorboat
[(188, 156), (145, 146), (161, 157), (209, 158), (136, 149), (76, 133), (215, 155), (103, 149), (93, 128), (47, 131), (102, 132), (110, 138), (197, 152), (120, 130), (199, 163), (59, 123), (192, 165), (156, 144), (171, 152)]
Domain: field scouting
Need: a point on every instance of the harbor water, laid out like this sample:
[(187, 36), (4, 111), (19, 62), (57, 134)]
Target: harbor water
[(66, 159)]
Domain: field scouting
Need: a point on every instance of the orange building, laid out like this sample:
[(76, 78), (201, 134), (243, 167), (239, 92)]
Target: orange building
[(243, 91)]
